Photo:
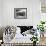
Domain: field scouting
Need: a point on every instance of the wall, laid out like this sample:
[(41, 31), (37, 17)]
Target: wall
[(0, 12), (33, 12), (36, 7)]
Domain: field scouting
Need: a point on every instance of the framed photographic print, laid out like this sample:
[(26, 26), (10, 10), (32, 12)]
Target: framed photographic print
[(20, 13)]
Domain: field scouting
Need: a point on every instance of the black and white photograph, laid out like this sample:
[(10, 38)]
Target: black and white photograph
[(20, 13)]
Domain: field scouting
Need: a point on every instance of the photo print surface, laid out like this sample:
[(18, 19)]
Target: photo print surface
[(20, 13)]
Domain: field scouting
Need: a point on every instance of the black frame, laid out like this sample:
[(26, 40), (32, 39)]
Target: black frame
[(20, 13)]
